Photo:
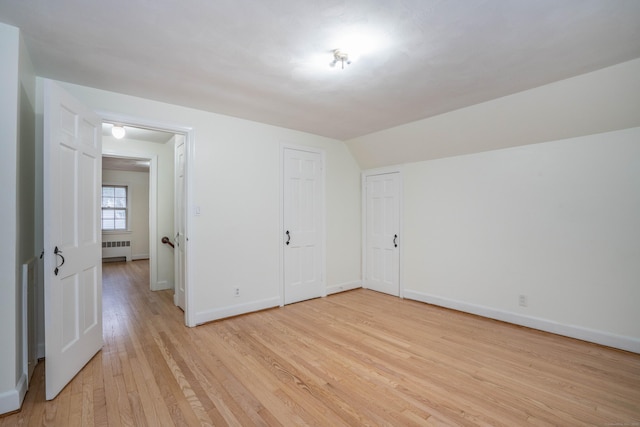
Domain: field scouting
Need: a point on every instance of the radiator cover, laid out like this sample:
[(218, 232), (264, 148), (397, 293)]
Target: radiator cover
[(117, 249)]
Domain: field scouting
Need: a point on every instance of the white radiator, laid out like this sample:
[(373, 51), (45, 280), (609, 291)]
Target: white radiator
[(117, 249)]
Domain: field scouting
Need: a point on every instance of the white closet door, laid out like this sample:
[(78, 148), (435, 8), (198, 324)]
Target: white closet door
[(303, 225), (383, 233)]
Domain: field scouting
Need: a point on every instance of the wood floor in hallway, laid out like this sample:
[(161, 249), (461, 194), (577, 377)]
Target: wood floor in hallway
[(355, 358)]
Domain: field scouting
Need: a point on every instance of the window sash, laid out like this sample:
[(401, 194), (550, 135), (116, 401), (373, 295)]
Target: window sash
[(114, 208)]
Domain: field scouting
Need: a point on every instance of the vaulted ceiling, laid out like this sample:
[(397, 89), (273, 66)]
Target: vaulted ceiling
[(268, 61)]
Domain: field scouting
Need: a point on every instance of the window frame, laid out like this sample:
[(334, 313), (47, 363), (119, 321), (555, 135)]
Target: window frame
[(126, 209)]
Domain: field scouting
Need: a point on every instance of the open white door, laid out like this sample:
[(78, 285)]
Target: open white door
[(303, 224), (382, 269), (73, 270), (179, 215)]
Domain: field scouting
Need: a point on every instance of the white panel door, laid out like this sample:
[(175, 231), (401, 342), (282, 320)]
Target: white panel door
[(303, 225), (73, 269), (179, 253), (382, 233)]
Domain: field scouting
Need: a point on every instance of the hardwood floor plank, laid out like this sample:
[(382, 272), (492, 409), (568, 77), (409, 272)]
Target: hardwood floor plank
[(155, 411), (87, 411), (98, 397), (173, 397), (191, 399), (236, 404), (354, 358)]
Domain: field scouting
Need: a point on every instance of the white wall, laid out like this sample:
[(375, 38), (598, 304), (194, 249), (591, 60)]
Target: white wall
[(17, 170), (600, 101), (235, 242), (138, 189), (9, 42), (26, 216), (558, 222), (163, 153), (552, 218)]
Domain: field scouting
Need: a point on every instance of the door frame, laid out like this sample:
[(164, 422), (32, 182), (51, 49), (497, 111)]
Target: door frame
[(384, 171), (188, 132), (179, 205), (153, 197), (323, 215)]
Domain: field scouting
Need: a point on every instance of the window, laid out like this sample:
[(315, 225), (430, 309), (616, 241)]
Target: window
[(114, 207)]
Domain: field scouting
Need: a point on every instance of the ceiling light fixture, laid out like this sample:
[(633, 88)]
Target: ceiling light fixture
[(341, 57), (118, 131)]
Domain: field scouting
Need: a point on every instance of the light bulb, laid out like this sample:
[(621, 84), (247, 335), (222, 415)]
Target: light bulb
[(118, 132)]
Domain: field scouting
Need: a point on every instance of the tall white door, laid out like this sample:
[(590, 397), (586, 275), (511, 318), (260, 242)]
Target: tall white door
[(303, 225), (72, 237), (382, 270), (179, 253)]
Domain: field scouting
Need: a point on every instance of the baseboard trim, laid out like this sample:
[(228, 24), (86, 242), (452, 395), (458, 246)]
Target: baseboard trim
[(598, 337), (162, 285), (41, 352), (11, 400), (139, 257), (343, 287), (235, 310)]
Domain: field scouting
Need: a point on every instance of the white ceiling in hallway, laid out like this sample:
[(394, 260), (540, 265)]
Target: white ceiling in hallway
[(125, 164), (268, 61)]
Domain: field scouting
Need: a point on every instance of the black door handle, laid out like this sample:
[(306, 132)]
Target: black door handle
[(58, 252), (288, 237), (395, 240)]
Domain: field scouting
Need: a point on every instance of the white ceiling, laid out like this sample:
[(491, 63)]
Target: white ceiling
[(125, 164), (259, 59)]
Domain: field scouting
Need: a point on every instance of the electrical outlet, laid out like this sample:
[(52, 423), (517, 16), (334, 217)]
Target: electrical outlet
[(236, 292), (523, 301)]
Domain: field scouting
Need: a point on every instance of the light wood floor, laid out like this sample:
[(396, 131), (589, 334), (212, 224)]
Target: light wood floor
[(356, 358)]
